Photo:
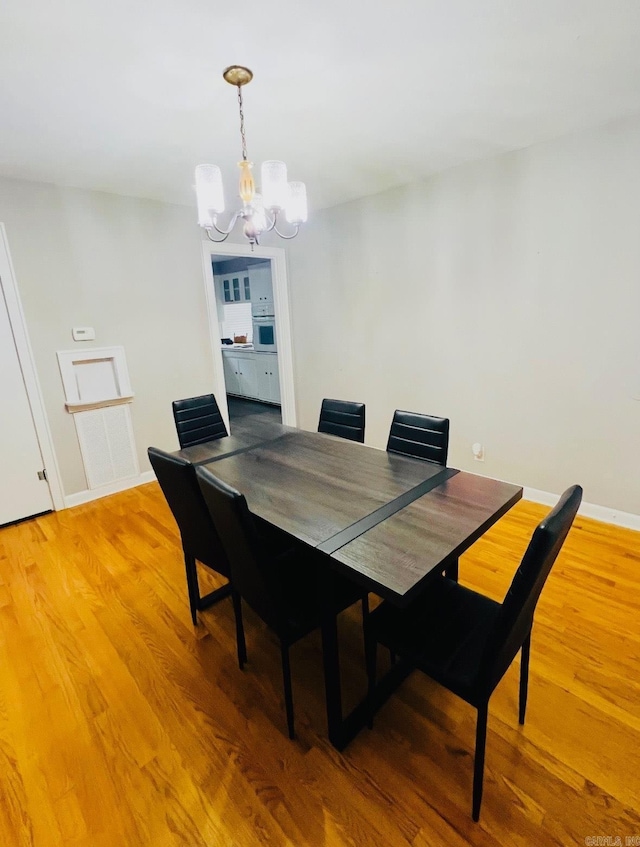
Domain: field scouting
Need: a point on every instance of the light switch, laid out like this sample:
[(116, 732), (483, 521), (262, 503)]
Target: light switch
[(83, 333)]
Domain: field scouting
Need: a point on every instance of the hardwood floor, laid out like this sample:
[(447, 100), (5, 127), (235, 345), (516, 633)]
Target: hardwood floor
[(240, 408), (120, 725)]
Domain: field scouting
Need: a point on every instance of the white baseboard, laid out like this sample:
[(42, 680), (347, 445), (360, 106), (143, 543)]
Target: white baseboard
[(589, 510), (104, 490)]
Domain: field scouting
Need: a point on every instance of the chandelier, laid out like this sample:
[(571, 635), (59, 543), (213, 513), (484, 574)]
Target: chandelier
[(260, 212)]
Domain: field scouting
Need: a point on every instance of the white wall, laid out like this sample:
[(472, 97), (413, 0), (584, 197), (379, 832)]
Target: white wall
[(130, 268), (512, 287), (504, 295)]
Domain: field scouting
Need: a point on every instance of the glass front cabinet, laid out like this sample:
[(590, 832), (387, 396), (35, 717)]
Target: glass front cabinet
[(236, 289)]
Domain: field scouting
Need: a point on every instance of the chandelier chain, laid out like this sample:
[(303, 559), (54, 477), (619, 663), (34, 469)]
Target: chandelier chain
[(242, 136)]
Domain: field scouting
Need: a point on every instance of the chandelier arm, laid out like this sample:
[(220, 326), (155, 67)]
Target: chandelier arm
[(272, 222), (226, 231), (282, 235), (216, 240)]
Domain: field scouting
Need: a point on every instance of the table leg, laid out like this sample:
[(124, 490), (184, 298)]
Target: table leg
[(341, 729), (332, 687)]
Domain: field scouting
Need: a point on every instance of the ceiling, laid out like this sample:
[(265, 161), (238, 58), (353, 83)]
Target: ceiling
[(127, 96)]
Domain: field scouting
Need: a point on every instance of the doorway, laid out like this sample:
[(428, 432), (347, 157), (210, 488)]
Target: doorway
[(249, 324), (248, 327), (27, 462)]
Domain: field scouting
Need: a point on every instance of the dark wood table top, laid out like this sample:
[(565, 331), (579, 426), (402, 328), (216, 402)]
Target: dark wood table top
[(247, 433), (388, 521), (314, 486), (400, 554)]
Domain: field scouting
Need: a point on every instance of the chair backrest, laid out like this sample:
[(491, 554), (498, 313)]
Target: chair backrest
[(515, 617), (422, 436), (239, 536), (177, 479), (343, 418), (198, 419)]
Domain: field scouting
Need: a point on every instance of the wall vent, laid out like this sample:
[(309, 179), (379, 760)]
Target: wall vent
[(107, 444)]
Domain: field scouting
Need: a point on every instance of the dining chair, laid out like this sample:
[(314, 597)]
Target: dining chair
[(421, 436), (200, 541), (198, 419), (343, 418), (283, 589), (464, 640)]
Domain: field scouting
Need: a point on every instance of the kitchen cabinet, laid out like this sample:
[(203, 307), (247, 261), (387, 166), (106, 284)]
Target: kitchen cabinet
[(260, 283), (268, 379), (240, 373), (235, 287), (231, 380), (250, 374)]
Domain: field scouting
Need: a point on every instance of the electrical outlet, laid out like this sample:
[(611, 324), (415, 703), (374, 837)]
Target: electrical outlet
[(478, 451)]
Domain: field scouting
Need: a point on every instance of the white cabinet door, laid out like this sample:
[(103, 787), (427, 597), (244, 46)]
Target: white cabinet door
[(248, 377), (264, 386), (261, 286), (231, 370), (274, 381), (240, 374), (268, 380), (252, 375), (234, 287)]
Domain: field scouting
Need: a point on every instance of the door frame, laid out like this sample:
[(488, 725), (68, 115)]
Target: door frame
[(9, 288), (277, 257)]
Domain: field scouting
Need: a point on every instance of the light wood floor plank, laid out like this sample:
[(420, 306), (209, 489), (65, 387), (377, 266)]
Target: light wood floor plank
[(121, 724)]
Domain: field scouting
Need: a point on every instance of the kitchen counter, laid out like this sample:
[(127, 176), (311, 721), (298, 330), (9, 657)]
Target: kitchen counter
[(234, 349)]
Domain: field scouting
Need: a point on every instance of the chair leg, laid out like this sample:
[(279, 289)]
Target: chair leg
[(370, 655), (478, 760), (192, 586), (240, 642), (524, 675), (288, 693)]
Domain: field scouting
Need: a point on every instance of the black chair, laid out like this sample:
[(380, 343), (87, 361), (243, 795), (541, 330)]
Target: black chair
[(466, 641), (198, 419), (343, 418), (421, 436), (282, 588), (200, 540)]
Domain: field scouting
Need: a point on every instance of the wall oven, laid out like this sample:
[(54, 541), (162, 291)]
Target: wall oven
[(264, 334)]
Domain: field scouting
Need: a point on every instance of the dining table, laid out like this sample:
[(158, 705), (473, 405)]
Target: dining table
[(389, 522)]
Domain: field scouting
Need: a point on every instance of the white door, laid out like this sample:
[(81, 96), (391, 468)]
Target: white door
[(22, 492)]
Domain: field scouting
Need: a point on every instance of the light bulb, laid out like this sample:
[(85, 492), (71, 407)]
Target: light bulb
[(247, 185)]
